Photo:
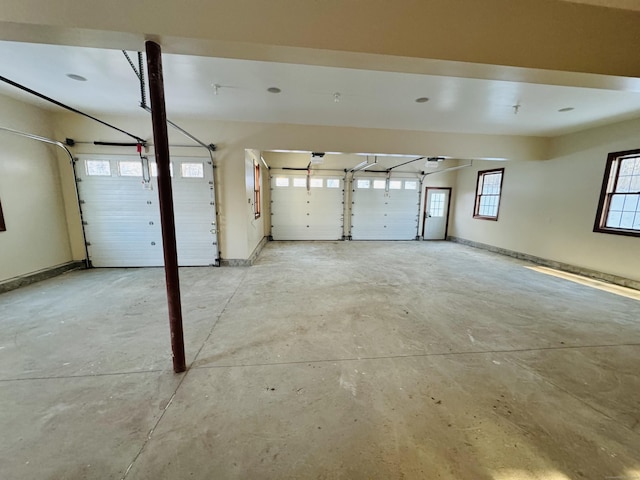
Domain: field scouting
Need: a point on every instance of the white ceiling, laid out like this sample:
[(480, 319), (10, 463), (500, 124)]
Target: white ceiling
[(367, 98)]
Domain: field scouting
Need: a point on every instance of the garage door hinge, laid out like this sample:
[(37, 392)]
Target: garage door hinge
[(88, 244), (84, 222), (78, 179), (81, 201)]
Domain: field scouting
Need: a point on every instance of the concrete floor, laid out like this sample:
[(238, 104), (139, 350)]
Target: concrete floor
[(336, 360)]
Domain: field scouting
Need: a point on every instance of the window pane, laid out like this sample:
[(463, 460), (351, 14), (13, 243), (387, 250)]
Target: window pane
[(98, 167), (630, 203), (491, 183), (192, 170), (395, 184), (410, 185), (333, 183), (613, 219), (299, 182), (630, 166), (626, 219), (362, 183), (130, 169), (617, 202), (379, 184), (316, 183), (488, 206), (624, 184), (282, 182), (436, 207)]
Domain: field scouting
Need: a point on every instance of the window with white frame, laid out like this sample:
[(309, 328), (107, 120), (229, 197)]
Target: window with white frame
[(488, 192), (333, 183), (316, 183), (282, 182), (619, 205), (363, 183), (100, 168), (130, 169), (300, 182), (192, 170)]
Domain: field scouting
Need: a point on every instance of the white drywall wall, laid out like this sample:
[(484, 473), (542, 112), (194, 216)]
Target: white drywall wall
[(548, 208), (32, 202)]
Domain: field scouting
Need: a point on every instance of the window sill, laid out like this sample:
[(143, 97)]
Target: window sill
[(618, 231)]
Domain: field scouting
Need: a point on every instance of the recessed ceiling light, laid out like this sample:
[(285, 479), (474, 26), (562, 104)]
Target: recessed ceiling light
[(422, 100), (273, 90), (566, 109), (79, 78)]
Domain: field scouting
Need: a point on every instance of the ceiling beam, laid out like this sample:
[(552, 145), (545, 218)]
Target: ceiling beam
[(550, 35)]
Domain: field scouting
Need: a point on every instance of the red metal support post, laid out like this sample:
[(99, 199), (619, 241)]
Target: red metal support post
[(161, 144)]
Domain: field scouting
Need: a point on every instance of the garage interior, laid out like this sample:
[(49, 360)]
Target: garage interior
[(399, 258)]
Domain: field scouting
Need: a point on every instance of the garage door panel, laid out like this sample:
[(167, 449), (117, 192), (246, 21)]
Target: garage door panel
[(301, 214), (122, 217), (380, 214)]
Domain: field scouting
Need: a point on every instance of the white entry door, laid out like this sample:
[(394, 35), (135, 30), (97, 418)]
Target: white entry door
[(436, 214), (384, 209), (306, 208), (121, 213)]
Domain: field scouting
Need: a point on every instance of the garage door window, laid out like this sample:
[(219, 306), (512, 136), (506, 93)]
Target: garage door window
[(395, 184), (299, 182), (379, 184), (362, 183), (316, 183), (411, 185), (192, 170), (130, 169), (282, 182), (100, 168), (619, 205), (488, 192), (333, 183)]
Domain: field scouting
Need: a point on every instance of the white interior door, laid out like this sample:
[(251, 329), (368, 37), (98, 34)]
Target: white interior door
[(122, 214), (301, 211), (384, 209), (436, 214)]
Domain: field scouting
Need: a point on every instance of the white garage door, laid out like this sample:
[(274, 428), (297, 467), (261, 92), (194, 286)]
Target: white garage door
[(306, 212), (384, 209), (122, 214)]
